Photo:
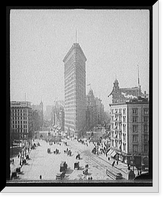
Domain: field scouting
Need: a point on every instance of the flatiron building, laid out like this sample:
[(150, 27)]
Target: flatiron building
[(75, 90)]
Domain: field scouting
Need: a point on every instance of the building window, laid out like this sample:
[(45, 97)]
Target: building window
[(146, 119), (145, 128), (135, 128), (135, 148), (120, 135), (116, 143), (145, 138), (135, 111), (124, 111), (135, 138), (113, 143), (124, 127), (116, 134), (145, 148), (146, 111), (124, 118), (135, 118), (124, 137), (120, 126), (112, 134), (124, 146)]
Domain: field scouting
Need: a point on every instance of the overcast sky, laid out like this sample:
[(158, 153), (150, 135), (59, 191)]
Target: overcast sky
[(115, 43)]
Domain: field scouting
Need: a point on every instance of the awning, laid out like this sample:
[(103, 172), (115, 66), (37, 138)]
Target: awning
[(113, 153)]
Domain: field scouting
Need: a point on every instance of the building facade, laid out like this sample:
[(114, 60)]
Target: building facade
[(121, 95), (129, 128), (94, 111), (58, 115), (21, 121), (36, 120), (75, 90), (91, 111), (100, 110), (39, 109)]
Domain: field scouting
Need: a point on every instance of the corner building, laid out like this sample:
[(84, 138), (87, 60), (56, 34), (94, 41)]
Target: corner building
[(75, 90), (21, 119), (130, 129)]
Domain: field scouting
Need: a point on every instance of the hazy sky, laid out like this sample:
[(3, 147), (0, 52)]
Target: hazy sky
[(115, 43)]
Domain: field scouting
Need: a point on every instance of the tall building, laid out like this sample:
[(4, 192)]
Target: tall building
[(129, 128), (129, 122), (21, 121), (75, 90)]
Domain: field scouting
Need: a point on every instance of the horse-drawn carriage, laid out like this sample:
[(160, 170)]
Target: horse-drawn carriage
[(76, 165), (57, 151), (63, 169), (78, 156), (85, 171), (48, 150), (63, 166), (68, 151)]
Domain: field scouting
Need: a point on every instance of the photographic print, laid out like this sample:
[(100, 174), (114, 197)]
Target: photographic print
[(81, 98)]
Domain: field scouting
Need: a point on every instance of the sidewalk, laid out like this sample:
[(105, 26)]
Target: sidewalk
[(16, 164), (122, 167)]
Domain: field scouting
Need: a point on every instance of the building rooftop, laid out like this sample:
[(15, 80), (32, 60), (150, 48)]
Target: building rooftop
[(139, 100), (77, 47), (20, 104)]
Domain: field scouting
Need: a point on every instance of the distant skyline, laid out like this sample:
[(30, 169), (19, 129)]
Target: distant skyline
[(115, 43)]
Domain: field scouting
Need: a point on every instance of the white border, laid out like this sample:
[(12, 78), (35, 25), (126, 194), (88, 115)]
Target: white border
[(155, 187)]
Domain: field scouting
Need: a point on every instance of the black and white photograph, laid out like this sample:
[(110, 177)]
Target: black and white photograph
[(81, 97)]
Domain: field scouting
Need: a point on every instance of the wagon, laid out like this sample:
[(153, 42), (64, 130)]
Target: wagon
[(63, 166), (85, 171), (48, 150), (76, 165), (60, 176)]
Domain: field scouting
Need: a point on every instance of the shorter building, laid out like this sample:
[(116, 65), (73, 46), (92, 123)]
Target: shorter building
[(129, 128), (100, 110), (91, 111), (48, 113), (39, 110), (94, 111), (36, 120), (58, 115), (21, 123), (121, 95)]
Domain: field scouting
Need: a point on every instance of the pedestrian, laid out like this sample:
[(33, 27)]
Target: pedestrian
[(40, 177), (117, 162), (113, 163)]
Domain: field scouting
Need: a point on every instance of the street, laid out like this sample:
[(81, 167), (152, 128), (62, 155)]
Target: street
[(46, 166)]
